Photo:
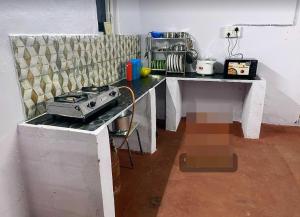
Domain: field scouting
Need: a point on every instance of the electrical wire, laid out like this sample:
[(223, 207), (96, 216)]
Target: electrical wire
[(228, 48), (231, 52), (236, 54), (234, 46)]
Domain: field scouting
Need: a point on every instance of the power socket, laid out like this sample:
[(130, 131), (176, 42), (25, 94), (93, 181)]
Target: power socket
[(232, 32)]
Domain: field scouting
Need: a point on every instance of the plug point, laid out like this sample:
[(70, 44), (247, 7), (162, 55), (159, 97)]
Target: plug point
[(232, 32)]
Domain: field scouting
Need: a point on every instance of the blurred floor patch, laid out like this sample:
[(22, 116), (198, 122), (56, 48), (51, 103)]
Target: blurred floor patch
[(208, 158), (207, 143), (206, 139), (210, 117), (210, 128)]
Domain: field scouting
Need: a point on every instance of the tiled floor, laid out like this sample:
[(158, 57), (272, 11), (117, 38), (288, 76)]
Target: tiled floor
[(267, 183)]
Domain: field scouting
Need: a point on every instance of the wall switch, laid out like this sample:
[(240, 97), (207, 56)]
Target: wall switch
[(232, 32)]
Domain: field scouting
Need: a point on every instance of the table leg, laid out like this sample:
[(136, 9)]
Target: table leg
[(253, 109), (139, 140), (173, 104), (105, 173), (129, 154)]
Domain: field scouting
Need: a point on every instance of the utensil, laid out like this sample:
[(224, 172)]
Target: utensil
[(189, 43), (178, 47), (182, 34), (181, 48), (168, 62), (123, 121), (158, 64), (164, 64), (176, 63), (191, 56), (154, 63), (180, 63), (157, 34), (170, 34), (165, 48), (205, 67)]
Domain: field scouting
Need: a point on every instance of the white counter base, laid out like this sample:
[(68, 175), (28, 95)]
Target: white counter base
[(68, 171), (252, 106)]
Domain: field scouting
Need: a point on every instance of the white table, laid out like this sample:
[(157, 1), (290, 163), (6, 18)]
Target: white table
[(252, 106)]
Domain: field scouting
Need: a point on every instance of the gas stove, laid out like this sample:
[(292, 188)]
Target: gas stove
[(84, 103)]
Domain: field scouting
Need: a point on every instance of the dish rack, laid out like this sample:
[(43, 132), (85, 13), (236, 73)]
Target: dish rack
[(167, 54)]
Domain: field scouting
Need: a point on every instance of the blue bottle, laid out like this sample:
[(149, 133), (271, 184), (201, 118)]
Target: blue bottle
[(136, 68)]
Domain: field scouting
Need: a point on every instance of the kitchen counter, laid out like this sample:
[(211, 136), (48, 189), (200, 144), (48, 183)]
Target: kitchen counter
[(54, 149), (214, 77), (139, 87)]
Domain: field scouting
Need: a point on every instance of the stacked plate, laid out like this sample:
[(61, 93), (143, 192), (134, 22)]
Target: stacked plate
[(175, 63), (158, 64)]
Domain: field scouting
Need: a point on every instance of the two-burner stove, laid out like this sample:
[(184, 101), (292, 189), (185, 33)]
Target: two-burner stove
[(84, 103)]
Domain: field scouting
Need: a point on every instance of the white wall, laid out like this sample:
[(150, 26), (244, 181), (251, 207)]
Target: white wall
[(30, 17), (275, 47), (126, 16)]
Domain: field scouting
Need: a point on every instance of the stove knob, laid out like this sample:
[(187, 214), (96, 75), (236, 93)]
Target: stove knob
[(91, 104), (77, 108), (113, 93)]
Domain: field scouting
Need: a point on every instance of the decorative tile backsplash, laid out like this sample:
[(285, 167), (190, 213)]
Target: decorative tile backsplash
[(49, 66)]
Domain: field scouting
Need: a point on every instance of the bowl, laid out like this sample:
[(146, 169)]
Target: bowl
[(157, 34), (145, 71)]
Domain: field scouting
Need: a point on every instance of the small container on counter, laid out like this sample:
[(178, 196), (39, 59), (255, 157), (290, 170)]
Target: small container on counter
[(129, 76), (136, 68)]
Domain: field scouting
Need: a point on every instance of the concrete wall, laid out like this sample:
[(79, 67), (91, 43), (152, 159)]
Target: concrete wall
[(28, 17), (275, 47), (127, 17)]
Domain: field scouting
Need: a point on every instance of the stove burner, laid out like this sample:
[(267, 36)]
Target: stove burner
[(84, 103), (71, 98), (95, 89)]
